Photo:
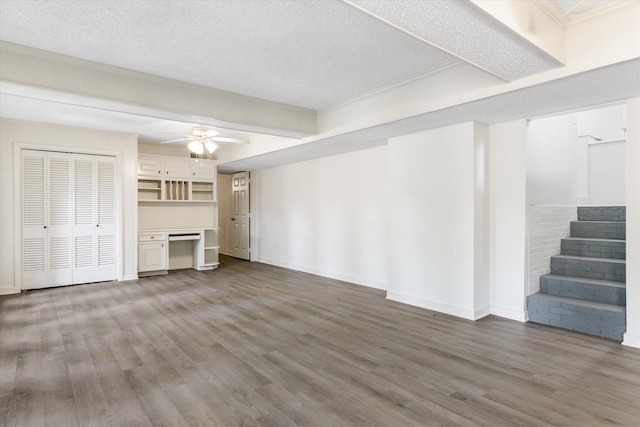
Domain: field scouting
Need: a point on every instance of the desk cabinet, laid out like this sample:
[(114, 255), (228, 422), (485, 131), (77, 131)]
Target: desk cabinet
[(152, 252)]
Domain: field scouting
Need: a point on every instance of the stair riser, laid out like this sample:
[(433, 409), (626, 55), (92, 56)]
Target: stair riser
[(598, 230), (594, 248), (589, 269), (602, 213), (577, 318), (584, 291)]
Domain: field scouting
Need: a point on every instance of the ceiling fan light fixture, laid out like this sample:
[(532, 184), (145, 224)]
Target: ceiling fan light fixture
[(203, 131), (211, 146), (196, 147)]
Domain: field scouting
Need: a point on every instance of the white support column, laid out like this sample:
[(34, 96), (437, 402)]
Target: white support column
[(632, 336), (508, 211), (438, 256)]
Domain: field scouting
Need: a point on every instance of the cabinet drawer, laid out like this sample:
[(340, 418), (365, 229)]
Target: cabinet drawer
[(151, 237)]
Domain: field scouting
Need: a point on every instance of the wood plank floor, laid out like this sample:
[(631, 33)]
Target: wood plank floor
[(256, 345)]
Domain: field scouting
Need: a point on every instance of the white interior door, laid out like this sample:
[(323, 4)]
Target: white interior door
[(59, 218), (34, 220), (85, 221), (241, 219), (106, 268), (46, 223), (94, 231)]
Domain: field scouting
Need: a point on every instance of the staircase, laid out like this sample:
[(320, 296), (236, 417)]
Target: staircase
[(585, 291)]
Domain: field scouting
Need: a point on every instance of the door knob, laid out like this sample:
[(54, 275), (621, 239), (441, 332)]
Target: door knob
[(233, 219)]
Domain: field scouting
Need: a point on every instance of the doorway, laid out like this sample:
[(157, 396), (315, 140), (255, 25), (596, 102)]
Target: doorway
[(234, 212)]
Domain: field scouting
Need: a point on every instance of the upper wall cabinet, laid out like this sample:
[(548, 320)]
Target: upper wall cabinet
[(176, 168), (202, 169), (175, 179), (149, 166)]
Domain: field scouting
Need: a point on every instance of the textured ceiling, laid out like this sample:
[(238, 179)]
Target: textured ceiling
[(312, 54), (466, 31)]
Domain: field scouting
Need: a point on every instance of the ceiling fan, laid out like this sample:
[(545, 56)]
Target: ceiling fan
[(203, 138)]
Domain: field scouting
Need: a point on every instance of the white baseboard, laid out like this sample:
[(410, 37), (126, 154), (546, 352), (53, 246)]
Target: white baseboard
[(130, 277), (329, 274), (507, 313), (453, 310), (9, 291), (631, 340)]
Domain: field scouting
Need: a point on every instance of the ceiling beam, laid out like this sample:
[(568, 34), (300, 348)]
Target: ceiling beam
[(30, 72), (532, 21), (510, 39)]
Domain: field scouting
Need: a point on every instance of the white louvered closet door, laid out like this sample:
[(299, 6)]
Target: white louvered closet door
[(46, 221), (94, 233), (106, 212), (84, 219), (94, 225)]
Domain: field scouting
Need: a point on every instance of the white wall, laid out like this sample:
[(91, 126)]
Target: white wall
[(632, 336), (577, 159), (547, 226), (507, 177), (606, 123), (606, 174), (326, 216), (551, 161), (76, 140), (435, 199)]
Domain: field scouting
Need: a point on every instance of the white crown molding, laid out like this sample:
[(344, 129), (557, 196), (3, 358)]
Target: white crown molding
[(596, 14), (552, 10)]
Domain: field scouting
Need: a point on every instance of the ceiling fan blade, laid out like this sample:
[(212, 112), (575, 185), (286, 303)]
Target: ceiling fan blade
[(233, 140), (177, 140)]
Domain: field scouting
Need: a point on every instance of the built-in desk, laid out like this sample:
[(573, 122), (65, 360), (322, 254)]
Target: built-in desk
[(154, 249)]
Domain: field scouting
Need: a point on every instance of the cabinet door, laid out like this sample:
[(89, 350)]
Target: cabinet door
[(151, 256), (178, 168), (202, 169), (148, 166)]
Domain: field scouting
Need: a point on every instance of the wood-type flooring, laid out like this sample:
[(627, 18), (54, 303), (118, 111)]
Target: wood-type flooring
[(256, 345)]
